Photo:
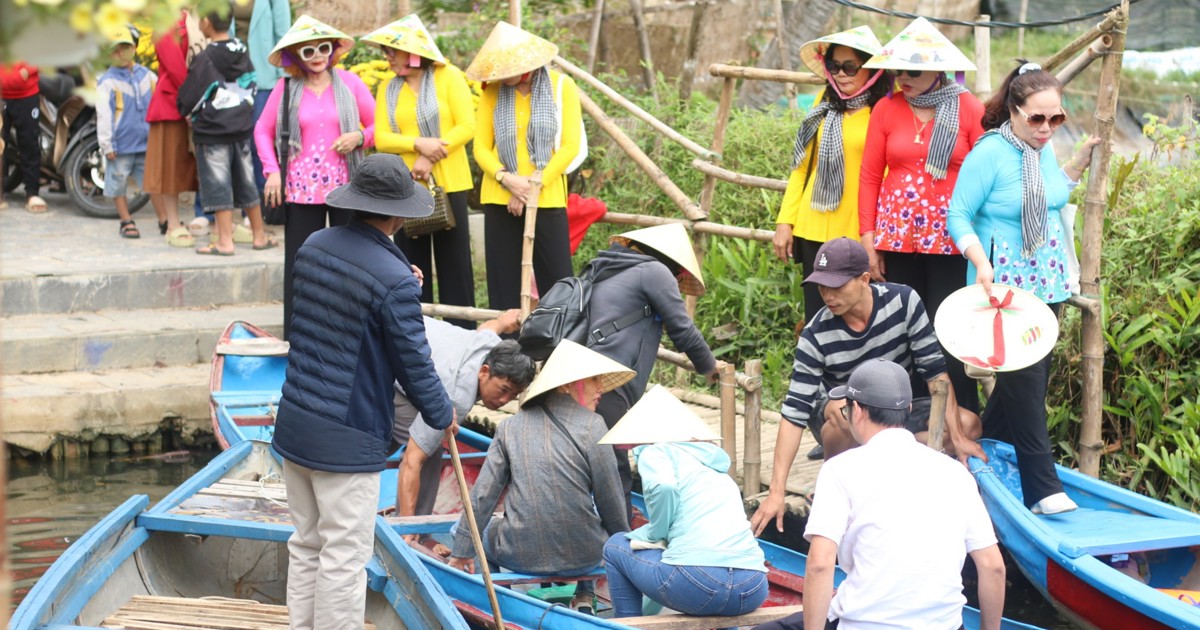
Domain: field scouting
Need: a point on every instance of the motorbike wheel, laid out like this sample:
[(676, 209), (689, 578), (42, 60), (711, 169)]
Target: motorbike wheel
[(83, 173)]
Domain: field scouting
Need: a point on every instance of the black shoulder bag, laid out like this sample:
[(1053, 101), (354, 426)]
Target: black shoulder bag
[(277, 214)]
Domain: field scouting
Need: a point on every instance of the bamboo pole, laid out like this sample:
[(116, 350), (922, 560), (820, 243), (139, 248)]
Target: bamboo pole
[(749, 181), (1091, 444), (1021, 17), (1085, 59), (514, 13), (5, 569), (983, 59), (689, 208), (1079, 43), (475, 539), (531, 210), (403, 7), (723, 109), (764, 74), (752, 442), (938, 390), (689, 64), (680, 360), (594, 36), (728, 388), (702, 227), (608, 15), (714, 402), (785, 53), (629, 106), (459, 312), (639, 23)]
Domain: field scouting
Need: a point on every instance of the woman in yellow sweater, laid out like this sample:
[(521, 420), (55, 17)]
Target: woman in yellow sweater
[(528, 120), (426, 115), (821, 201)]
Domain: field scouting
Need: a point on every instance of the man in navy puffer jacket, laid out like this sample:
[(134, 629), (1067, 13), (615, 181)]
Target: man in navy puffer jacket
[(356, 329)]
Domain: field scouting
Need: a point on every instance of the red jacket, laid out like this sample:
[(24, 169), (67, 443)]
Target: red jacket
[(12, 86), (172, 70)]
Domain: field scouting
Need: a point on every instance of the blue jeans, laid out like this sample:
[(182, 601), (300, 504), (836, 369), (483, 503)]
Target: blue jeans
[(692, 590)]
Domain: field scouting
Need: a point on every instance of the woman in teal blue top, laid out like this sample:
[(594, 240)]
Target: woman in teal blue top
[(1004, 217), (696, 555)]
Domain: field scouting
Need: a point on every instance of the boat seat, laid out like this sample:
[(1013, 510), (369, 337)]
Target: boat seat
[(690, 622), (1101, 532), (254, 347), (530, 578), (246, 398), (143, 612)]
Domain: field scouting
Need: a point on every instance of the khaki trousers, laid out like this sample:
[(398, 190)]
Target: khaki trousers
[(334, 516)]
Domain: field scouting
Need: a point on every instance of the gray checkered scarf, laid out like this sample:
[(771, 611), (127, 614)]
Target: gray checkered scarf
[(945, 126), (543, 122), (1033, 191), (428, 118), (347, 112), (831, 174)]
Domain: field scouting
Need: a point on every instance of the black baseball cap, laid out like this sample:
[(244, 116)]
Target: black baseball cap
[(877, 383), (839, 261)]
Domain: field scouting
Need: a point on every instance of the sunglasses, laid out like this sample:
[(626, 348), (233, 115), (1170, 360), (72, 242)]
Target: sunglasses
[(1036, 120), (307, 53), (912, 73), (847, 409), (848, 68)]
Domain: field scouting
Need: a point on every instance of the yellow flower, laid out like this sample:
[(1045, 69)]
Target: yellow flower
[(110, 18), (81, 18), (130, 6)]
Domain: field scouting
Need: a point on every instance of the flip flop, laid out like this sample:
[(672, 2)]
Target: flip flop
[(270, 244), (129, 229), (211, 250), (36, 205)]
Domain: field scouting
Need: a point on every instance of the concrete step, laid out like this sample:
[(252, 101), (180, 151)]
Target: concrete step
[(80, 406), (108, 340)]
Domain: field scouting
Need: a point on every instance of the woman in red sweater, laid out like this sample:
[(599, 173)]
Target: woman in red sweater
[(916, 142), (19, 93), (170, 166)]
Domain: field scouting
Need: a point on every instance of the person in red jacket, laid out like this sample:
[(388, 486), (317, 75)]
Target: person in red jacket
[(170, 167), (19, 91)]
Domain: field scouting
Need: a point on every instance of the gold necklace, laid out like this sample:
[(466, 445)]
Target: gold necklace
[(920, 128)]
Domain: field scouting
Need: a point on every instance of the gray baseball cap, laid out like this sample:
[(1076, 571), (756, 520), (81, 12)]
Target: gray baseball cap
[(877, 383)]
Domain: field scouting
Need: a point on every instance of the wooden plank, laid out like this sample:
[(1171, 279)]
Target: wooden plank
[(688, 622), (144, 612)]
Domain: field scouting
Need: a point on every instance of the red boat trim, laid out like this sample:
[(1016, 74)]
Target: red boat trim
[(253, 421), (1093, 606)]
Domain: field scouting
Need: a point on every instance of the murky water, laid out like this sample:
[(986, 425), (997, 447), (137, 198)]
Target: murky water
[(51, 504)]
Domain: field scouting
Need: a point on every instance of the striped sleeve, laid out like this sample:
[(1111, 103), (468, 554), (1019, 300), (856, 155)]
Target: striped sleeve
[(927, 353), (807, 369)]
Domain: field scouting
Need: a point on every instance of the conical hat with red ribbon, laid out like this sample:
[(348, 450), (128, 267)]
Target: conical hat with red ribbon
[(1010, 330)]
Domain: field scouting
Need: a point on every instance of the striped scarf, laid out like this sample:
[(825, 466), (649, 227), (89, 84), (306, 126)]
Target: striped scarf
[(428, 117), (347, 112), (1033, 191), (831, 176), (945, 126), (543, 123)]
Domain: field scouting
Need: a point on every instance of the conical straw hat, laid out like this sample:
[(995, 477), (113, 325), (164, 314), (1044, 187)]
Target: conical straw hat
[(659, 417), (920, 46), (309, 29), (967, 327), (859, 38), (407, 34), (672, 241), (572, 362), (509, 52)]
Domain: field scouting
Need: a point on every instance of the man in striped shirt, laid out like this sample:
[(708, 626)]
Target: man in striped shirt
[(860, 321)]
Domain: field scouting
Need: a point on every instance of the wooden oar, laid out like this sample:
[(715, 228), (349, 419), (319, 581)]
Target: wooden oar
[(475, 538), (531, 210)]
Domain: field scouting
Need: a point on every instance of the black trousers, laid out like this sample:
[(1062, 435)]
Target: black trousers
[(612, 408), (302, 221), (452, 250), (793, 622), (804, 253), (934, 277), (502, 237), (21, 124), (1016, 413)]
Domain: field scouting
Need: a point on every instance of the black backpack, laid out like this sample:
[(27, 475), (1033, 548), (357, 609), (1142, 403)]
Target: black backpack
[(562, 313)]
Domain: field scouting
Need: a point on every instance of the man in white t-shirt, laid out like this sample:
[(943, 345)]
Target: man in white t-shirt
[(899, 518)]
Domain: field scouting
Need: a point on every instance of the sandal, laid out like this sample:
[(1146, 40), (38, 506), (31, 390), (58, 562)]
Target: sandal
[(179, 237), (36, 205), (162, 228), (198, 226), (129, 229), (270, 244), (242, 235), (211, 250)]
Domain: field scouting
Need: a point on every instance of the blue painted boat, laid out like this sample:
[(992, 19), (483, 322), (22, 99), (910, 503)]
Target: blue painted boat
[(213, 554), (248, 368), (1075, 559)]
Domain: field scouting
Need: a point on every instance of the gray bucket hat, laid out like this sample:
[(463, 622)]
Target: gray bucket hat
[(383, 185)]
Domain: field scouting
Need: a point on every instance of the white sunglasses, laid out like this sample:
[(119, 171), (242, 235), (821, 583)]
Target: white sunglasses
[(307, 53)]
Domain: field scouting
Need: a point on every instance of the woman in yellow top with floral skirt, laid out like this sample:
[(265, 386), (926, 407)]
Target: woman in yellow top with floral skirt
[(528, 120), (426, 115), (821, 201)]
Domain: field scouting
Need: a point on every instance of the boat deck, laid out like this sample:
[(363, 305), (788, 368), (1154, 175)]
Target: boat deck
[(144, 612), (801, 479)]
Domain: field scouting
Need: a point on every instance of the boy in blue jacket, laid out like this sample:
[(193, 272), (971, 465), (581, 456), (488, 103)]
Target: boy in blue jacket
[(122, 98)]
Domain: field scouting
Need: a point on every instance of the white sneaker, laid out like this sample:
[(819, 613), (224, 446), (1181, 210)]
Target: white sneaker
[(1054, 504)]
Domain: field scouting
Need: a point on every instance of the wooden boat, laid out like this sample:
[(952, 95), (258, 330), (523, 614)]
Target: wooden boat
[(1070, 557), (213, 554), (248, 368)]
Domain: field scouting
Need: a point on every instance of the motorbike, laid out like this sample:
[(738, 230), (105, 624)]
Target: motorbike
[(71, 157)]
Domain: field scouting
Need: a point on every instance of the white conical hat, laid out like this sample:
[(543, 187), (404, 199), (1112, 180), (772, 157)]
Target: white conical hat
[(920, 46), (310, 29), (408, 34), (672, 241), (659, 417), (812, 53), (966, 326), (509, 52), (571, 362)]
